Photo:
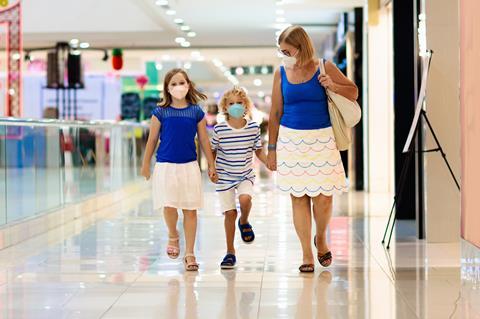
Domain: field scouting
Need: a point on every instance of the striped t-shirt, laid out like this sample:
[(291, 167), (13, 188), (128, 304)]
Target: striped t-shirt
[(235, 149)]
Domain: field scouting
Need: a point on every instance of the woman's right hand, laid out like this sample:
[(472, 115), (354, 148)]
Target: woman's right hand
[(146, 172), (272, 160)]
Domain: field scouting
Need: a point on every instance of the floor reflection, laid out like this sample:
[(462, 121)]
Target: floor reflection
[(115, 267)]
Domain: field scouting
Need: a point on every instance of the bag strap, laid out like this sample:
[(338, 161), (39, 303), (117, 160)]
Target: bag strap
[(321, 67)]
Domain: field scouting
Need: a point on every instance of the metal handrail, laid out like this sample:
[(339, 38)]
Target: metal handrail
[(13, 121)]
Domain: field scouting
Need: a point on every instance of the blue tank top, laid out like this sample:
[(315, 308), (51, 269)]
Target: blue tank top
[(177, 133), (305, 105)]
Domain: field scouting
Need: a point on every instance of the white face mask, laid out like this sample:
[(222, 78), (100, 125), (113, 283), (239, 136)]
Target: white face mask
[(179, 92), (289, 61)]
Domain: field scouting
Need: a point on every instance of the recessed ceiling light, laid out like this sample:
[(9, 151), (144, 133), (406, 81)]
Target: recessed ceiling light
[(171, 12), (187, 65), (185, 44), (191, 34), (185, 28), (239, 70), (158, 66), (74, 42), (264, 70), (161, 3), (280, 19), (257, 82), (280, 11), (178, 21), (84, 45), (179, 40)]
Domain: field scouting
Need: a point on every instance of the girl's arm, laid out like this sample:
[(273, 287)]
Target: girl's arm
[(276, 113), (341, 84), (150, 147), (207, 149)]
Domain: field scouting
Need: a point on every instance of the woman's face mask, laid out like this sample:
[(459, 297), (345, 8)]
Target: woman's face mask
[(289, 61)]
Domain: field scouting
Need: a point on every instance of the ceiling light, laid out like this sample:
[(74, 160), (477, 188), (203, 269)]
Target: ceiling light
[(171, 12), (264, 70), (185, 28), (226, 73), (178, 21), (217, 62), (239, 70), (257, 82), (185, 44), (280, 19), (16, 56), (166, 57), (279, 2), (191, 34), (161, 3), (216, 95), (84, 45), (74, 42), (282, 26), (187, 65), (261, 94), (280, 11), (179, 40), (158, 66)]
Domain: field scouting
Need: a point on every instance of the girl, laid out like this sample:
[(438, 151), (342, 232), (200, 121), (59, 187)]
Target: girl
[(176, 178), (234, 142)]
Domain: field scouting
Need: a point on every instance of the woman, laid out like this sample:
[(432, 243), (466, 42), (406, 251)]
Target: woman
[(306, 156)]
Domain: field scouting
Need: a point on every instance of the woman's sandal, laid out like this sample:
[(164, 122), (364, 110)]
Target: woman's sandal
[(190, 266), (326, 259), (173, 251), (307, 268), (246, 231), (228, 262)]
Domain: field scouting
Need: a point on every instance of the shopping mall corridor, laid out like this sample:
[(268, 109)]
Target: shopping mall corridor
[(114, 266)]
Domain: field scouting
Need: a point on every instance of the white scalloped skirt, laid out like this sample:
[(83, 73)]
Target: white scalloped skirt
[(309, 163)]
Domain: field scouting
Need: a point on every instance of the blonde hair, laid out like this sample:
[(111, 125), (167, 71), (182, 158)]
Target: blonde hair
[(296, 36), (193, 95), (237, 92)]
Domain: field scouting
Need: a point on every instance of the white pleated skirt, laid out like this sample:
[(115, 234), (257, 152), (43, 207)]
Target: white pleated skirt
[(177, 186), (309, 163)]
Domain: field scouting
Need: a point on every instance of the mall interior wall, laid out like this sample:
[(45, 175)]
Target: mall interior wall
[(443, 109), (470, 119)]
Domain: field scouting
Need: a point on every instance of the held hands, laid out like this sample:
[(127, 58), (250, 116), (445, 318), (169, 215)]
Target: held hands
[(272, 160), (212, 173)]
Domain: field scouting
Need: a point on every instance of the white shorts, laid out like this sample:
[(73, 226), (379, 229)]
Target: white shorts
[(227, 198)]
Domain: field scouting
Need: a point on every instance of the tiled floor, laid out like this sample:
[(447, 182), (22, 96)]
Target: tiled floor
[(117, 268)]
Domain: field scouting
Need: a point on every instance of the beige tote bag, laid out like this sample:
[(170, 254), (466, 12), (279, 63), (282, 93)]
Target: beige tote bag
[(344, 114)]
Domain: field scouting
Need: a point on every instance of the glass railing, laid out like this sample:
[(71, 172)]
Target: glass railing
[(47, 164)]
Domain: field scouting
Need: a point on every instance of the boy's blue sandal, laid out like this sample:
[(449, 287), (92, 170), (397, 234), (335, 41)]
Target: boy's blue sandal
[(228, 262), (246, 231)]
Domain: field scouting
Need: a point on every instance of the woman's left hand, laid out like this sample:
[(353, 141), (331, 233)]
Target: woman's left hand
[(327, 82)]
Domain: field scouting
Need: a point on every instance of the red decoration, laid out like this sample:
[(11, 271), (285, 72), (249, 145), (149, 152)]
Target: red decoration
[(141, 80), (117, 59)]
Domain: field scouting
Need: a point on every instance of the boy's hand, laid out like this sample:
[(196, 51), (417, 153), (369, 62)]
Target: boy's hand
[(212, 173)]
